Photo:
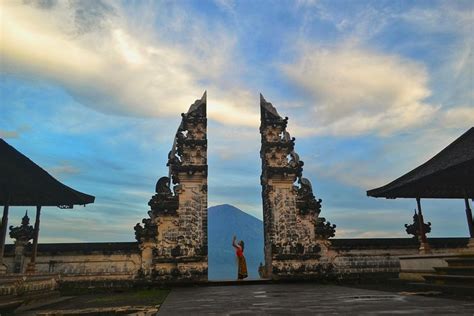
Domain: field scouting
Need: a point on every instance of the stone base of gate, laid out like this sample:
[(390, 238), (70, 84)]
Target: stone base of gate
[(302, 270), (177, 271)]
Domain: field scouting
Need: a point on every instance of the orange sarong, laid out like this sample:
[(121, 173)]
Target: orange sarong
[(242, 274)]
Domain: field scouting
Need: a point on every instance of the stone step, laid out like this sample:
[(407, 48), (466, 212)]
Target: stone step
[(41, 303), (12, 302), (467, 280), (9, 303), (467, 260), (455, 270), (457, 289), (237, 282)]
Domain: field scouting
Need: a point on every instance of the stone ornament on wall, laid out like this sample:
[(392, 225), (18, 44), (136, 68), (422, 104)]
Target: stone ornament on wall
[(173, 240), (414, 228), (22, 235), (296, 238)]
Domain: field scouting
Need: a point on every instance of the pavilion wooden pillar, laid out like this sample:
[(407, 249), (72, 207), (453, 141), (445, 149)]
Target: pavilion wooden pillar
[(3, 236), (424, 246), (470, 224), (31, 266)]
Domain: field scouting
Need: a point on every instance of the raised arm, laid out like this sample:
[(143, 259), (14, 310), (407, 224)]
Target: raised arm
[(233, 242)]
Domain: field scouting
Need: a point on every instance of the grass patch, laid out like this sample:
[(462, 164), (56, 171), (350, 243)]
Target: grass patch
[(135, 297)]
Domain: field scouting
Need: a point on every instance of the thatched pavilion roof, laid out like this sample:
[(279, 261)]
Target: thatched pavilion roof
[(24, 183), (448, 175)]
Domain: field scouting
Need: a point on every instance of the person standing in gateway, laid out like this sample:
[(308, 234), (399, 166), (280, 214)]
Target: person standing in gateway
[(241, 263)]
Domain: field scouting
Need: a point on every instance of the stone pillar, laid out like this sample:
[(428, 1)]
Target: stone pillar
[(31, 268), (424, 246), (470, 224), (3, 234), (178, 216), (147, 257), (295, 236), (19, 260)]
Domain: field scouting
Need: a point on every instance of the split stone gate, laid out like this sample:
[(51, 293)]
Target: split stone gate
[(173, 238)]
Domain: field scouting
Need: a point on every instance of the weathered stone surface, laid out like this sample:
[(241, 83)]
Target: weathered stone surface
[(296, 243), (22, 235), (173, 240)]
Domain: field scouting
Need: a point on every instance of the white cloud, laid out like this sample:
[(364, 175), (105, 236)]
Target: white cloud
[(449, 17), (306, 3), (117, 63), (369, 168), (63, 170), (14, 133), (458, 117), (365, 176), (355, 90), (361, 233), (226, 5), (449, 30), (9, 134)]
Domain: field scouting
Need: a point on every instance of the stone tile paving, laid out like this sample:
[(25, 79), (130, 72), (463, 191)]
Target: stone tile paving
[(304, 299)]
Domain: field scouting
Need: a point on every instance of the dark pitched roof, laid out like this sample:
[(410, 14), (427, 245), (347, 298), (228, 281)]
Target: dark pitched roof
[(24, 183), (449, 174)]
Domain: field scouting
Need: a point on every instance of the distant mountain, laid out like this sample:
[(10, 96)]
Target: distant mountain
[(224, 221)]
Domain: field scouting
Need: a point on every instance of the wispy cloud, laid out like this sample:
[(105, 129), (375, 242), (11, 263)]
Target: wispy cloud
[(448, 17), (355, 90), (64, 170), (9, 134), (226, 5), (458, 117), (116, 63), (452, 75), (14, 133), (366, 175)]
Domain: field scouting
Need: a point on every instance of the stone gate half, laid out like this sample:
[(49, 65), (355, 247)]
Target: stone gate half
[(173, 239), (295, 237)]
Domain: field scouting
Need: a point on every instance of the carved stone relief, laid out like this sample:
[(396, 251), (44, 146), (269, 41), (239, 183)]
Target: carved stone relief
[(173, 239), (296, 238)]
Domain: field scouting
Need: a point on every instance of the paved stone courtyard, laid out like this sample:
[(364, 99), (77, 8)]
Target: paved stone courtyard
[(305, 299)]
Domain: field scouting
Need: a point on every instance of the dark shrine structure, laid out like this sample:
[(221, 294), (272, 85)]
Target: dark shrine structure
[(24, 183), (295, 237), (448, 175), (173, 238)]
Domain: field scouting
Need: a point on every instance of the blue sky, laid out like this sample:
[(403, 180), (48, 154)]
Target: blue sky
[(93, 91)]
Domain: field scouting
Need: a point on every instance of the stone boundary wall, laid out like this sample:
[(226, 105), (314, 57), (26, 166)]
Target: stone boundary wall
[(379, 257), (14, 285), (355, 258), (119, 260)]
